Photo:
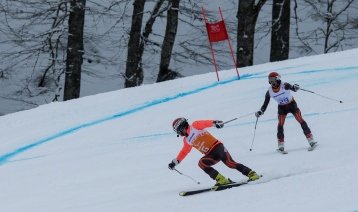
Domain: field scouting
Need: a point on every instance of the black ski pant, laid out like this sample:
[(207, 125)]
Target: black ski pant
[(283, 110), (220, 153)]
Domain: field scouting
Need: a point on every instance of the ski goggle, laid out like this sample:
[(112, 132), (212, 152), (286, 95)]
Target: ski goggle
[(274, 79)]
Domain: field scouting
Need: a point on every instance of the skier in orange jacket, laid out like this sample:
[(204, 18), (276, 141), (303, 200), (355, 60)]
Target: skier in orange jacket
[(214, 151)]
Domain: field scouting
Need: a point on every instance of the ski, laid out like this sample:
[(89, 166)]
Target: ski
[(187, 193), (313, 147), (214, 188), (282, 152), (231, 185)]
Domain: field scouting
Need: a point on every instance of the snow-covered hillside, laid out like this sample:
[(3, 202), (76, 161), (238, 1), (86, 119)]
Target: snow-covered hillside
[(110, 152)]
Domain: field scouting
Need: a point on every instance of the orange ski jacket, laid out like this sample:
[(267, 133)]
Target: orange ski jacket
[(198, 138)]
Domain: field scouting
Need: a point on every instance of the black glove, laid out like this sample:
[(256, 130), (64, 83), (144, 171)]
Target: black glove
[(259, 113), (173, 164), (295, 87), (218, 124)]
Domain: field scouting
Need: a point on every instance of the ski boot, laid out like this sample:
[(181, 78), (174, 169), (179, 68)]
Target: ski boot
[(311, 142), (281, 147), (221, 180), (253, 176)]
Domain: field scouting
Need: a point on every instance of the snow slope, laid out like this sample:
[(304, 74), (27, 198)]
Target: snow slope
[(110, 152)]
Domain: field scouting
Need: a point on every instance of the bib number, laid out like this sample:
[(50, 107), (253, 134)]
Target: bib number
[(205, 149), (284, 101)]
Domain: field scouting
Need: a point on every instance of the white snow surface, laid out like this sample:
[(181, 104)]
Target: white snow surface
[(110, 152)]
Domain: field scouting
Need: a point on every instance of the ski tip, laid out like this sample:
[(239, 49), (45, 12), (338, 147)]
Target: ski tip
[(182, 193)]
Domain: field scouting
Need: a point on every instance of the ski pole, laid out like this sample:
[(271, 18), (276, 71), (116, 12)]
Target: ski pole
[(321, 95), (238, 118), (254, 134), (187, 176)]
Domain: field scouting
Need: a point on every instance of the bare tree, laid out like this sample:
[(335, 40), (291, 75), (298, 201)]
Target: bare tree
[(190, 45), (170, 33), (280, 33), (157, 11), (337, 17), (303, 46), (247, 15), (75, 50), (32, 58), (33, 45), (134, 74)]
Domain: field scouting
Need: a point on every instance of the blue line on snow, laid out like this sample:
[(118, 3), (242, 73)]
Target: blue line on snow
[(242, 124), (6, 157)]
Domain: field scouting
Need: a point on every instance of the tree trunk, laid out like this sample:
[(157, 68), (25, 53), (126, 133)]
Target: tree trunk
[(74, 50), (168, 43), (280, 33), (148, 30), (134, 74), (247, 16)]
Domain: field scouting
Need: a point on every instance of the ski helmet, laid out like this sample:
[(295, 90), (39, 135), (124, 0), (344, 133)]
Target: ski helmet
[(274, 77), (179, 125)]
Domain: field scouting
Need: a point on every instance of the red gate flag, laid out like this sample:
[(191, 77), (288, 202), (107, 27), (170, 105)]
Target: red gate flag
[(217, 31)]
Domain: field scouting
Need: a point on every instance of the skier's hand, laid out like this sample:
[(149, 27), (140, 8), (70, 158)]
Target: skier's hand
[(172, 165), (295, 87), (218, 124), (259, 113)]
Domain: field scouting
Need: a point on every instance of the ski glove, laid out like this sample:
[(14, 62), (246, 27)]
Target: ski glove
[(259, 113), (218, 124), (173, 164), (295, 87)]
